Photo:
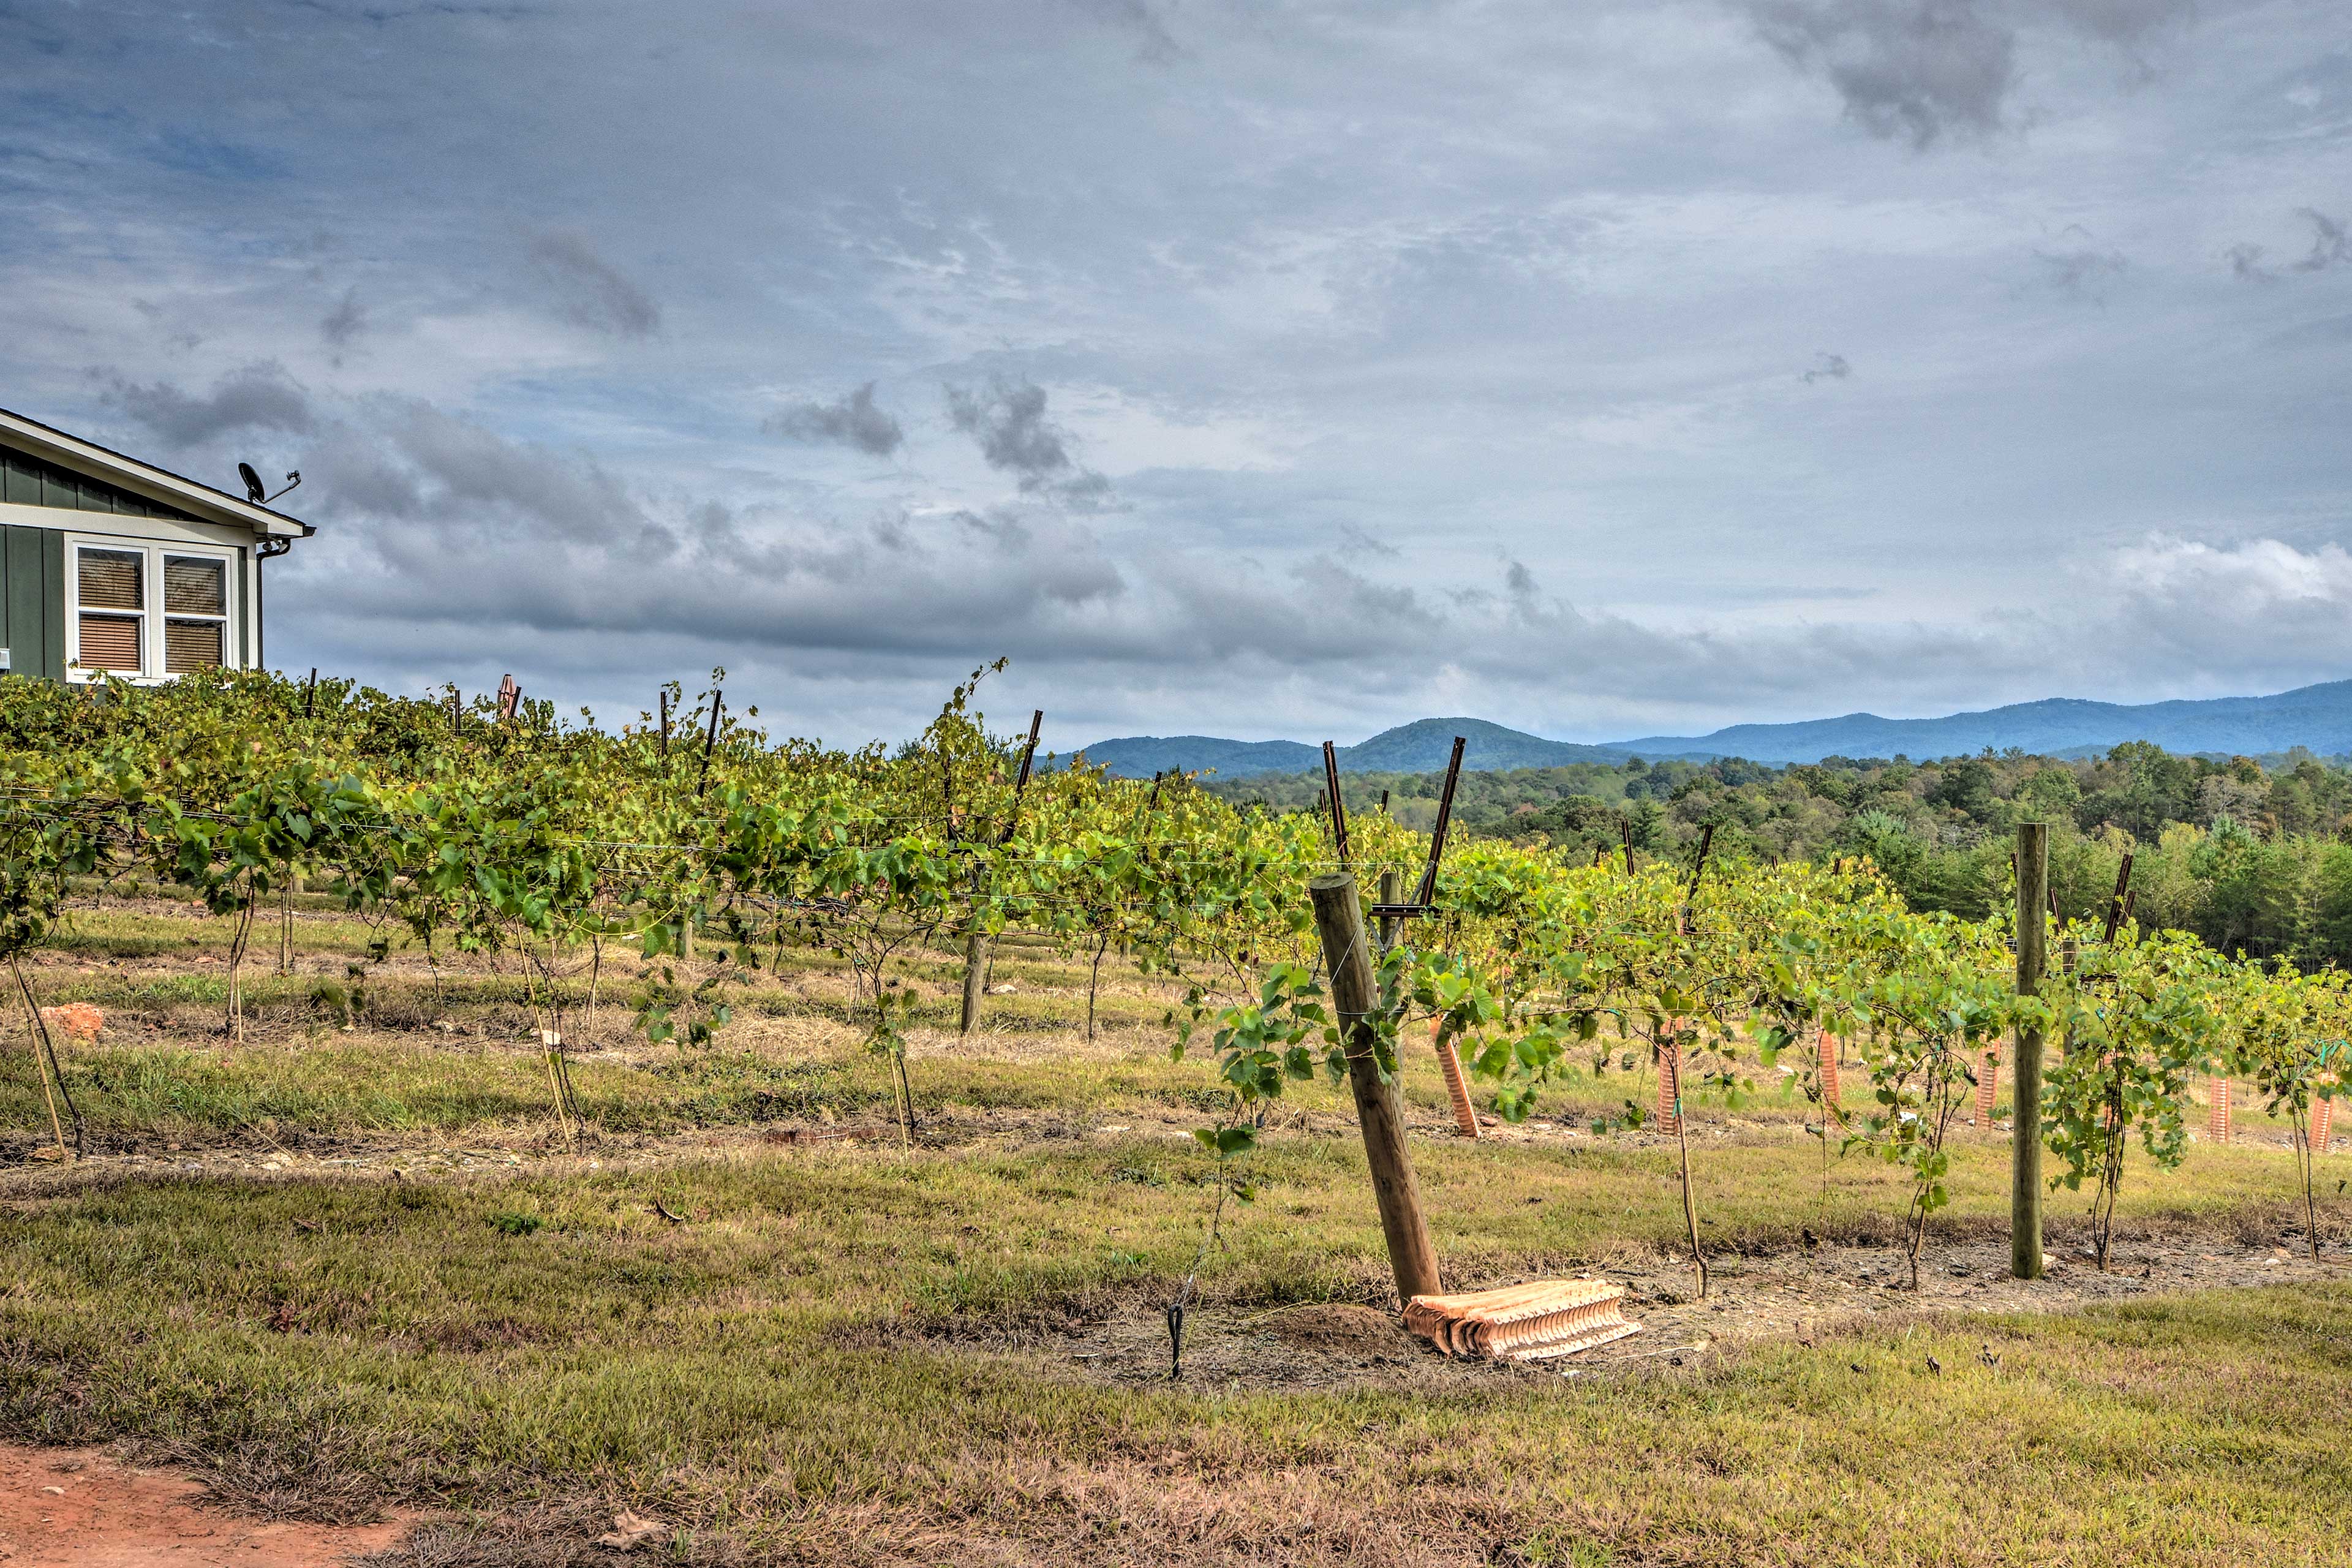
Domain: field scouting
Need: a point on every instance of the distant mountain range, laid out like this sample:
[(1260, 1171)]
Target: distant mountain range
[(2319, 717), (1416, 748)]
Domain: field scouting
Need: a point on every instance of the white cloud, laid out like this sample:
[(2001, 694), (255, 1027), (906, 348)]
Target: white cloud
[(1268, 295)]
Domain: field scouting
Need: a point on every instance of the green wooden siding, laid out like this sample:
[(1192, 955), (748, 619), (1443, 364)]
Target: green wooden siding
[(27, 480), (33, 601)]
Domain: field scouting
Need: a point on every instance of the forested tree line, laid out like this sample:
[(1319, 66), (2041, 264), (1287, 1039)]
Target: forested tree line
[(2252, 855)]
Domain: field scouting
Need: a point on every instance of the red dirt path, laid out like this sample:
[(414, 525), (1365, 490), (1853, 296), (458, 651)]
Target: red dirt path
[(79, 1508)]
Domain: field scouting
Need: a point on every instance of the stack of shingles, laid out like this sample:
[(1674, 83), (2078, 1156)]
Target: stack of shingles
[(1523, 1322)]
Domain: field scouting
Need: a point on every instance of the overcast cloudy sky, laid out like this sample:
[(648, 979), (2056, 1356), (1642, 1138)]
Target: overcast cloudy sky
[(1249, 369)]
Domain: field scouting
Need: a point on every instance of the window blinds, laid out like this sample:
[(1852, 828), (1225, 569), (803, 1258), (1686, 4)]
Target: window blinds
[(113, 580), (194, 587), (111, 642), (191, 645)]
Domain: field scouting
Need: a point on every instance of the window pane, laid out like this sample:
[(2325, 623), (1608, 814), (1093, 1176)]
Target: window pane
[(113, 580), (111, 642), (192, 587), (191, 645)]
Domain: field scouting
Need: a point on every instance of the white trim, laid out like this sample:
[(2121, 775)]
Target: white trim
[(134, 530), (145, 479), (151, 656)]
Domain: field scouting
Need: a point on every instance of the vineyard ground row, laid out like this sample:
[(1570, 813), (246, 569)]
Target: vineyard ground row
[(851, 1352)]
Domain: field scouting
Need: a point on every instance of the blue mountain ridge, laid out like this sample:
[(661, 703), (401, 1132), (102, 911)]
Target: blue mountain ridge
[(2318, 717)]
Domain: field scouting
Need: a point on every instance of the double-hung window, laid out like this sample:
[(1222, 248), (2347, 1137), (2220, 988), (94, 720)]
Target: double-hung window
[(113, 618), (146, 611), (195, 612)]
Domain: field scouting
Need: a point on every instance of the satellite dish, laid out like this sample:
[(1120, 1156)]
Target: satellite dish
[(254, 488)]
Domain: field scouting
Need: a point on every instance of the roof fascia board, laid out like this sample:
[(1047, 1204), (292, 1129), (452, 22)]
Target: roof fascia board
[(146, 479)]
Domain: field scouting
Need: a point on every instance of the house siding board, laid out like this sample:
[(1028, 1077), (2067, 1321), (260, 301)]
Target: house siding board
[(34, 562), (24, 558), (27, 480), (53, 604)]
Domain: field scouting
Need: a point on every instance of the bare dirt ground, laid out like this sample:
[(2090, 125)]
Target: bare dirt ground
[(83, 1508), (1801, 1295)]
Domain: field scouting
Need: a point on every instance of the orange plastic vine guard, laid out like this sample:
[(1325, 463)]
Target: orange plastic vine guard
[(2323, 1125), (1523, 1322), (1670, 1078), (2216, 1121), (1826, 1045), (1466, 1118)]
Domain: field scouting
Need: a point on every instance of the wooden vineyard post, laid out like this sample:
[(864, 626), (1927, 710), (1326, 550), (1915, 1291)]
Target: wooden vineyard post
[(1987, 1084), (709, 740), (2025, 1119), (975, 961), (2217, 1116), (1428, 893), (2115, 905), (1380, 1108), (1339, 803)]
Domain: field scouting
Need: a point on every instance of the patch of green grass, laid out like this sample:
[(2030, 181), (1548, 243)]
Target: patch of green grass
[(718, 1370), (802, 1366)]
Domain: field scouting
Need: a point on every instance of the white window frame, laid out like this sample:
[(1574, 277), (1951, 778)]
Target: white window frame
[(165, 614), (151, 649)]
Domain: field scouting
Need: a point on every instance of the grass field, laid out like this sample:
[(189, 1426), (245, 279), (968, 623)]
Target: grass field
[(343, 1268)]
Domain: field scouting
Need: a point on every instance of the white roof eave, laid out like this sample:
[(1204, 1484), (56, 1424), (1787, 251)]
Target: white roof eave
[(156, 484)]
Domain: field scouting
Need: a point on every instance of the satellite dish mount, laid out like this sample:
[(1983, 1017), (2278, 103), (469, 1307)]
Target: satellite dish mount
[(255, 492)]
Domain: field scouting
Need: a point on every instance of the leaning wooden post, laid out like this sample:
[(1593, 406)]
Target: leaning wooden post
[(1428, 893), (710, 740), (2116, 904), (1380, 1108), (975, 960), (2025, 1119), (1339, 803)]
